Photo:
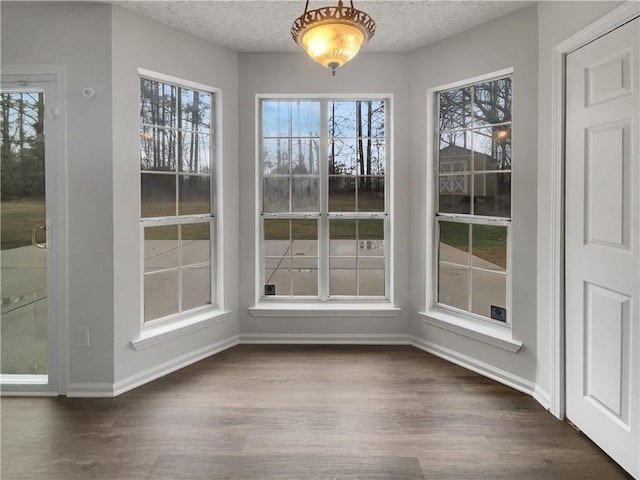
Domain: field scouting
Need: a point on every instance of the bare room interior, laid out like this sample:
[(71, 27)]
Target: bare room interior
[(324, 240)]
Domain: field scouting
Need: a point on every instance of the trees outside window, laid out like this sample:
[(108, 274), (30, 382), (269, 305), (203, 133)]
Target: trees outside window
[(176, 151), (324, 213), (473, 218)]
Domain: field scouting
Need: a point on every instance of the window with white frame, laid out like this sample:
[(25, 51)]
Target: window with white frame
[(324, 198), (176, 150), (473, 217)]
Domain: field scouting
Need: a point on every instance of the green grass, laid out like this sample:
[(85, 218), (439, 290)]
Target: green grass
[(339, 229), (17, 219), (489, 242)]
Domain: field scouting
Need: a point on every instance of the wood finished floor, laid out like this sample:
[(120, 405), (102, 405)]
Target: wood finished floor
[(303, 413)]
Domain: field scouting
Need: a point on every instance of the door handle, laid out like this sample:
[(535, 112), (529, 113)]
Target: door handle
[(34, 232)]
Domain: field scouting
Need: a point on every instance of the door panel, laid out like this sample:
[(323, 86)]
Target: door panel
[(602, 249)]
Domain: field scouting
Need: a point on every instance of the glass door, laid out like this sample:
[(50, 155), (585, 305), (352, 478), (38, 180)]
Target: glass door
[(25, 357)]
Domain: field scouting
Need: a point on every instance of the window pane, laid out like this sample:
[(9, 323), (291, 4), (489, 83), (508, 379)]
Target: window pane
[(370, 229), (276, 194), (455, 147), (195, 194), (371, 248), (196, 287), (342, 263), (276, 118), (306, 119), (148, 99), (305, 238), (342, 276), (343, 157), (492, 195), (492, 103), (195, 243), (161, 294), (453, 286), (342, 194), (158, 193), (305, 276), (275, 156), (342, 119), (161, 249), (276, 238), (158, 149), (488, 289), (277, 272), (195, 110), (371, 194), (374, 156), (454, 243), (195, 153), (492, 148), (158, 103), (489, 247), (304, 194), (373, 118), (304, 154), (342, 230), (455, 109), (371, 276), (454, 194)]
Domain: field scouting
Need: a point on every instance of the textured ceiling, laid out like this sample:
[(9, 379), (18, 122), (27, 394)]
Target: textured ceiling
[(264, 25)]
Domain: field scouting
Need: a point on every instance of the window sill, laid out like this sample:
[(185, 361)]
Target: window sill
[(155, 334), (324, 310), (494, 335)]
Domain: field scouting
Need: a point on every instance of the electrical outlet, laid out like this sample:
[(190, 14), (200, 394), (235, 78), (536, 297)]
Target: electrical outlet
[(82, 337)]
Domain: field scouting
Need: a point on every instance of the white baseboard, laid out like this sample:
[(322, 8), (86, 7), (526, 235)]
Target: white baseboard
[(324, 339), (161, 370), (90, 390), (542, 397), (146, 376), (514, 381)]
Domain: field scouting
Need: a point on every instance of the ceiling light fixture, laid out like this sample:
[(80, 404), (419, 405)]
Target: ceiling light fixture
[(333, 35)]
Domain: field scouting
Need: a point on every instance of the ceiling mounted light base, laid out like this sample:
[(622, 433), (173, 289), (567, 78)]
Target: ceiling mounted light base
[(333, 35)]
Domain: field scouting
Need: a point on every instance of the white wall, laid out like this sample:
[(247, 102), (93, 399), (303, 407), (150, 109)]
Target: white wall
[(296, 73), (78, 38), (557, 21), (508, 42), (140, 42)]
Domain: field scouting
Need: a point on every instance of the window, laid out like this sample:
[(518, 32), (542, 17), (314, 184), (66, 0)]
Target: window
[(473, 217), (324, 199), (176, 145)]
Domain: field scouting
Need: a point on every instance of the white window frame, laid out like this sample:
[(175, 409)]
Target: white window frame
[(495, 333), (160, 329), (267, 306)]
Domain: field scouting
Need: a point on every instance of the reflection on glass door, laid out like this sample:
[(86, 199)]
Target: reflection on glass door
[(23, 232)]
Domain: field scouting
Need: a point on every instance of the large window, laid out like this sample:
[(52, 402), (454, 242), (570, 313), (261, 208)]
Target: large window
[(176, 145), (324, 198), (473, 218)]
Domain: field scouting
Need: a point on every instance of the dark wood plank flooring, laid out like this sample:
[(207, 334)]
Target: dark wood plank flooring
[(300, 412)]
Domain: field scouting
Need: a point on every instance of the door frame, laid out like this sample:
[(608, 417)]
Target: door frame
[(554, 278), (52, 78)]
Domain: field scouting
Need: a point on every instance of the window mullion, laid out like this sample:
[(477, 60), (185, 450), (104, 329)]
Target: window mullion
[(323, 227)]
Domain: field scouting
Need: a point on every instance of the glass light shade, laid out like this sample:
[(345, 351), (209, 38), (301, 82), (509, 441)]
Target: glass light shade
[(333, 44)]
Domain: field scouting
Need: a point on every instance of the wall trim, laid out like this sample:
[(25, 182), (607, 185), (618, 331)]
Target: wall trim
[(554, 282), (90, 390), (87, 390), (163, 369), (506, 378), (542, 397), (324, 339)]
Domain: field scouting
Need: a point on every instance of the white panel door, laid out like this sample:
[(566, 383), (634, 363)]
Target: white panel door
[(603, 243)]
